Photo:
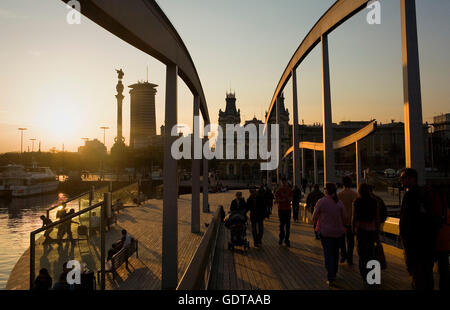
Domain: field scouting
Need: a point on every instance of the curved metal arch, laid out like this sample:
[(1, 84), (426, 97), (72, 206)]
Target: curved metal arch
[(143, 24), (338, 144), (337, 14)]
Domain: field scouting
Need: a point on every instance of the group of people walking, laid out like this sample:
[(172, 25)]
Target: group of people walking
[(341, 217), (259, 205)]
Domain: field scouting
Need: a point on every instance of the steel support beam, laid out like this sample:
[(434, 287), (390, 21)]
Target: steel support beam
[(277, 121), (303, 163), (195, 176), (412, 98), (170, 208), (205, 184), (328, 152), (358, 163), (295, 131), (316, 174)]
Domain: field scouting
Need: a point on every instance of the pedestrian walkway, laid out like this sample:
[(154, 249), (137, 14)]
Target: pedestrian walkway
[(300, 267)]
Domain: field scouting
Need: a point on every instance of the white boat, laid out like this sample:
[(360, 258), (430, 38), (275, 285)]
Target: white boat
[(18, 181)]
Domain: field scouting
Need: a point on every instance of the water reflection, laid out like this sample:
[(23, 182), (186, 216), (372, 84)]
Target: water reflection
[(18, 217)]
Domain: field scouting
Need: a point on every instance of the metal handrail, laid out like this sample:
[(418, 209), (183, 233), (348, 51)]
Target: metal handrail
[(66, 218), (198, 272), (65, 202)]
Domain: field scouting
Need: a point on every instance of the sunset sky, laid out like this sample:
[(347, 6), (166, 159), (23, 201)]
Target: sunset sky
[(58, 80)]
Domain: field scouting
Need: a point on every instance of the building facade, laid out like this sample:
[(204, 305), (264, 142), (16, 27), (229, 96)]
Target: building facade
[(142, 114)]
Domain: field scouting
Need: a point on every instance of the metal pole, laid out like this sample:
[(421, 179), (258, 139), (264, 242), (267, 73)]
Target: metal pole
[(32, 261), (269, 145), (195, 176), (358, 164), (102, 242), (303, 163), (277, 121), (412, 102), (316, 175), (170, 209), (328, 152), (91, 195), (205, 186), (295, 132)]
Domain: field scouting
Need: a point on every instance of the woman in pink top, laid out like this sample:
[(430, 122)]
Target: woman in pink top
[(330, 212)]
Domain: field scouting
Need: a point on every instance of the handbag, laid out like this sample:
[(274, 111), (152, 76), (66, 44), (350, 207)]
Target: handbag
[(379, 255)]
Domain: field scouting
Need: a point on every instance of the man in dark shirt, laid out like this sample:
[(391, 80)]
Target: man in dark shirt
[(255, 204), (284, 197), (45, 222), (416, 232), (268, 200), (296, 197), (238, 203), (311, 201)]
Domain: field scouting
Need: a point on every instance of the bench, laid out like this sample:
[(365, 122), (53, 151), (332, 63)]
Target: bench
[(122, 257)]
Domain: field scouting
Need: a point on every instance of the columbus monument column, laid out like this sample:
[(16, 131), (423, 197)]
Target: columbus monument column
[(119, 87)]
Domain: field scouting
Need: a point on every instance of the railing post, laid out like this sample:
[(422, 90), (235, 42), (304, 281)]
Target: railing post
[(102, 241), (295, 133), (32, 261), (170, 209), (412, 98), (195, 176), (277, 121), (91, 195), (328, 151), (205, 186)]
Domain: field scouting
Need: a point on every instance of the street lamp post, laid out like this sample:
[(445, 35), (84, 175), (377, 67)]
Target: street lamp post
[(21, 138), (104, 133), (32, 144)]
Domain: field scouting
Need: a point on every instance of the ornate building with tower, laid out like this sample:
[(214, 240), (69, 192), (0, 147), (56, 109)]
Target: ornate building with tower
[(244, 169)]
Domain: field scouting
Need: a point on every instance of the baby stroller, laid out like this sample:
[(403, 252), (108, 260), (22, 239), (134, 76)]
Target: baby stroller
[(236, 222)]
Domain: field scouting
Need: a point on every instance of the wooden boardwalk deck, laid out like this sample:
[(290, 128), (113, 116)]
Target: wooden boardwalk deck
[(300, 267)]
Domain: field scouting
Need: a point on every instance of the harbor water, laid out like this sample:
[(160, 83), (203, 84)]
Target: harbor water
[(18, 217)]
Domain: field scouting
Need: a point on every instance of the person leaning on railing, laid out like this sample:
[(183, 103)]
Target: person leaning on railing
[(45, 222)]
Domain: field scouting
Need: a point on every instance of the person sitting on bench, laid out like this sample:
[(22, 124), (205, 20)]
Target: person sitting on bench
[(126, 239)]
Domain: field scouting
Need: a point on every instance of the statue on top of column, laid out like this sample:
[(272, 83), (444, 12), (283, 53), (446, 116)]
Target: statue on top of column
[(120, 74)]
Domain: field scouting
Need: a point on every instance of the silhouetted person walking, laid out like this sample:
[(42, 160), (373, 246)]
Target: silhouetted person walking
[(268, 198), (296, 198), (283, 197), (417, 232), (366, 221), (255, 204), (329, 211), (347, 196), (311, 201)]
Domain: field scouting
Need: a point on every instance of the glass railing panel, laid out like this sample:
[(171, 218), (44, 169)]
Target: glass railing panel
[(77, 238), (127, 194)]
